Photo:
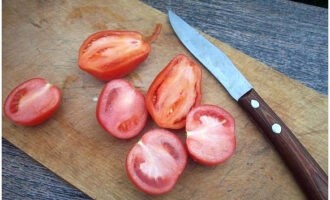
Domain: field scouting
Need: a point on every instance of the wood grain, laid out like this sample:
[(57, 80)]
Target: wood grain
[(41, 38)]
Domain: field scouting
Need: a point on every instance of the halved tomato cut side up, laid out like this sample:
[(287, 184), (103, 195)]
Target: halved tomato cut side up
[(32, 102), (155, 163), (174, 92), (210, 134), (121, 109), (112, 54)]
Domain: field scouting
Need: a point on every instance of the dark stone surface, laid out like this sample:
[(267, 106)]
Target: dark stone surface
[(288, 36)]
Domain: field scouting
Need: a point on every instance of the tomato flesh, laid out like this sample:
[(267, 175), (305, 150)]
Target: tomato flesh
[(174, 92), (113, 54), (155, 163), (210, 134), (32, 102), (121, 109)]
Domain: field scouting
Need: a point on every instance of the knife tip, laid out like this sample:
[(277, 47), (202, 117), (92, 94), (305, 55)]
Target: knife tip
[(169, 12)]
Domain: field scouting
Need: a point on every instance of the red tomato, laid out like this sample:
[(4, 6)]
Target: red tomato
[(210, 134), (32, 102), (174, 91), (121, 109), (155, 163), (113, 54)]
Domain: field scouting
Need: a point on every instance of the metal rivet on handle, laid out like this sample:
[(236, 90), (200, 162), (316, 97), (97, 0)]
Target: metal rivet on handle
[(276, 128), (254, 103)]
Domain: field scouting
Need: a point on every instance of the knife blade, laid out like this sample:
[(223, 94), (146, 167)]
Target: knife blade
[(309, 175), (211, 57)]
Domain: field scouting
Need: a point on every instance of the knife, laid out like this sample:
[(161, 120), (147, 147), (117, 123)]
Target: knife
[(309, 175)]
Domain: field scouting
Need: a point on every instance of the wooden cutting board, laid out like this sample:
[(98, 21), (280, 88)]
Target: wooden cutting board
[(42, 38)]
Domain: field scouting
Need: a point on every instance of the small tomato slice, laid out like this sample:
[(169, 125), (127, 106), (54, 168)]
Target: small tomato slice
[(155, 163), (113, 54), (32, 102), (175, 90), (121, 109), (210, 134)]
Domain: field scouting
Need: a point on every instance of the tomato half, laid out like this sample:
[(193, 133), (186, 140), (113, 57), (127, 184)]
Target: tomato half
[(113, 54), (32, 102), (121, 109), (155, 163), (210, 134), (175, 90)]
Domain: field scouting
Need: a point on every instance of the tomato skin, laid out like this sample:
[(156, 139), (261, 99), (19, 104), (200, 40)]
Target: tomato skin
[(174, 91), (170, 155), (121, 109), (210, 135), (32, 102), (113, 54)]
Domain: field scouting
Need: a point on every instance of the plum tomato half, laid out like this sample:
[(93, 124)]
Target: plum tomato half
[(174, 92), (156, 161), (121, 109), (112, 54), (210, 134), (32, 102)]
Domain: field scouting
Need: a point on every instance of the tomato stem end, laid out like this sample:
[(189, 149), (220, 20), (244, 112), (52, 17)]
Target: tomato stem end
[(155, 34)]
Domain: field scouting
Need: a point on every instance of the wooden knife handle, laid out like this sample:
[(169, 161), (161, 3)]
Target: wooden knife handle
[(310, 176)]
